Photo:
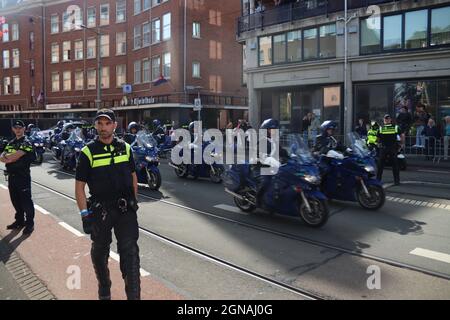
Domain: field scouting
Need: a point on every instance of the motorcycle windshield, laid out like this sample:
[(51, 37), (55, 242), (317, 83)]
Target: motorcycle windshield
[(35, 135), (358, 145), (76, 135), (145, 140), (297, 148)]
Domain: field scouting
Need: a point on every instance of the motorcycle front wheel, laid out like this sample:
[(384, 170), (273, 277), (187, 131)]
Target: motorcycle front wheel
[(318, 215), (216, 175), (39, 158), (374, 201), (244, 205), (153, 180)]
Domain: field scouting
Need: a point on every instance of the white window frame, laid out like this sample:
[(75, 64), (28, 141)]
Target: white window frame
[(121, 44), (137, 7), (156, 30), (104, 81), (5, 30), (194, 68), (94, 53), (66, 52), (56, 85), (137, 37), (146, 70), (78, 79), (7, 86), (196, 30), (154, 66), (91, 11), (146, 5), (122, 76), (79, 49), (167, 64), (15, 58), (6, 58), (146, 34), (104, 47), (54, 25), (55, 58), (104, 21), (121, 7), (167, 26), (14, 32), (93, 80), (137, 71), (16, 84), (67, 80)]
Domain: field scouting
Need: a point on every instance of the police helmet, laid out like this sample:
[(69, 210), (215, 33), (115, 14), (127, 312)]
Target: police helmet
[(156, 123), (133, 125), (30, 126), (270, 124), (329, 124), (374, 125)]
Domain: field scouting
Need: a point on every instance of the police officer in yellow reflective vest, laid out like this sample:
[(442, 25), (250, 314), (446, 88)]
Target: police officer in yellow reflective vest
[(106, 165), (18, 156), (389, 138), (372, 135)]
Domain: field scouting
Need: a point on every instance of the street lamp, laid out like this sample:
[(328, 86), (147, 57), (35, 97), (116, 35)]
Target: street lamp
[(99, 64)]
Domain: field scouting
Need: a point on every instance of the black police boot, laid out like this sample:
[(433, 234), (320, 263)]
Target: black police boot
[(100, 262), (28, 230), (15, 225), (132, 276)]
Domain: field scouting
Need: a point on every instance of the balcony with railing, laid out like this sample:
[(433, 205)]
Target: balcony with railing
[(265, 15)]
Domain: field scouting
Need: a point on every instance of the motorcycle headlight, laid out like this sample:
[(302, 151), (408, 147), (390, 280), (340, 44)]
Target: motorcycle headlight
[(36, 144), (41, 144), (77, 149), (369, 169), (151, 159), (312, 179)]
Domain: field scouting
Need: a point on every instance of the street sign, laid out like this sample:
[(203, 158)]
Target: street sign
[(197, 104), (127, 88)]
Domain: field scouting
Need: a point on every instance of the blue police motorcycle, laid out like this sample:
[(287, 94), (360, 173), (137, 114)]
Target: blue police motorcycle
[(351, 176), (293, 191), (145, 154), (71, 150), (214, 171), (39, 143)]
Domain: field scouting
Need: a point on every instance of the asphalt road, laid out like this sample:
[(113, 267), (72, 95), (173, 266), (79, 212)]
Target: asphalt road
[(403, 240)]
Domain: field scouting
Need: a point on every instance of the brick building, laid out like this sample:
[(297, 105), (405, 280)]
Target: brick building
[(49, 64)]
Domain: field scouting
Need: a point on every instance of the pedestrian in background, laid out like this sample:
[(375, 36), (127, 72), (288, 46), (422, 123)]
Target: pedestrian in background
[(421, 117), (404, 122), (361, 128), (432, 135)]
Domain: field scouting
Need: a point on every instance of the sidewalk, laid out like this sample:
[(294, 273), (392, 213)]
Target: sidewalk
[(59, 255)]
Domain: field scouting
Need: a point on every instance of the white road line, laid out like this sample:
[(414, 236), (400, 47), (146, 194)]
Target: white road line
[(229, 208), (42, 210), (433, 171), (439, 256), (116, 257), (71, 229), (3, 186)]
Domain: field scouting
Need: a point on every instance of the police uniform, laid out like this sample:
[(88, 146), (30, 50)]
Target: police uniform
[(19, 182), (107, 170), (388, 137), (372, 138)]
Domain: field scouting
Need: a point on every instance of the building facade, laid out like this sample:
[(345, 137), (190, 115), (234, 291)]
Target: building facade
[(156, 57), (398, 54)]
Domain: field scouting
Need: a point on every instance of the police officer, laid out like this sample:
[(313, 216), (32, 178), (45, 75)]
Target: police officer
[(159, 131), (325, 140), (372, 135), (106, 164), (389, 138), (130, 136), (18, 156)]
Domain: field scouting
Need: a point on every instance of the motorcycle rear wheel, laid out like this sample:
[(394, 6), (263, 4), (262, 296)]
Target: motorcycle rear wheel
[(217, 176), (153, 180), (318, 215), (376, 199), (244, 205), (181, 171)]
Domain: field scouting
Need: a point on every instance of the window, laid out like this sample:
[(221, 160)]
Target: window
[(15, 32), (6, 63), (31, 40), (166, 26), (196, 29), (265, 51), (156, 31), (244, 64), (416, 26), (55, 52), (279, 48), (105, 78), (16, 84), (121, 43), (66, 51), (310, 43), (156, 67), (370, 35), (137, 6), (104, 45), (66, 21), (137, 71), (91, 79), (5, 31), (54, 23), (121, 75), (78, 49), (79, 80), (392, 32), (91, 46), (146, 29), (196, 69), (15, 56), (67, 81), (55, 81), (166, 65), (146, 70), (137, 37), (440, 26), (294, 46), (7, 85), (121, 11), (156, 2), (327, 41), (146, 5), (91, 17), (104, 14)]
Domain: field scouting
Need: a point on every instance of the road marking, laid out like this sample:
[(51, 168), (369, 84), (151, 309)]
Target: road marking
[(116, 257), (3, 186), (439, 256), (229, 208), (433, 171), (42, 210), (71, 229), (416, 203)]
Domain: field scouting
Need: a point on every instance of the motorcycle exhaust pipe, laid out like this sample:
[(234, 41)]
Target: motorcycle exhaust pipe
[(172, 165), (234, 194)]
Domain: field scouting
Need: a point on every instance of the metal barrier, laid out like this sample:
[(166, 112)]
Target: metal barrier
[(428, 148)]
